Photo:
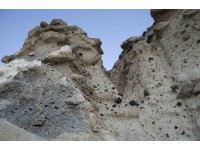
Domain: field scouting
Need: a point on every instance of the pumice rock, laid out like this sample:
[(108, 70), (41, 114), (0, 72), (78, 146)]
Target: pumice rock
[(167, 67), (56, 88)]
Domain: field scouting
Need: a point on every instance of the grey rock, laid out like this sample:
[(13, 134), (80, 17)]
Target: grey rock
[(198, 122), (63, 92), (186, 37), (171, 39), (4, 104), (57, 22), (160, 26), (38, 120), (186, 91), (43, 24), (189, 13), (174, 87)]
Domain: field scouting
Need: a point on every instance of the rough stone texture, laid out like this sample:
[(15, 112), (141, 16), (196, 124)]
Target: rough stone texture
[(10, 132), (56, 88), (166, 64)]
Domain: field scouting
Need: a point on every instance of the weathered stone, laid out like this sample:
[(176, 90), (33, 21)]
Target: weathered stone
[(160, 26), (146, 93), (118, 100), (186, 91), (189, 13), (4, 104), (10, 132), (197, 26), (31, 54), (57, 22), (63, 55), (174, 87), (38, 120), (186, 36), (63, 92), (7, 59), (130, 41), (156, 12), (174, 66), (198, 121), (43, 24)]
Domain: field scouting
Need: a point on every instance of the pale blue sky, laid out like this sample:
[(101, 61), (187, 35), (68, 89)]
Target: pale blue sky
[(111, 26)]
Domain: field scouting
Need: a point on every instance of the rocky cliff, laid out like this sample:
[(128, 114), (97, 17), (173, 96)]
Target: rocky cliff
[(56, 88)]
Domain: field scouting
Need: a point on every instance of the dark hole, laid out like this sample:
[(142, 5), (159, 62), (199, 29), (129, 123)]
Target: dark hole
[(146, 93), (196, 92), (118, 100), (183, 133), (12, 111), (56, 107), (179, 104), (149, 39), (175, 127), (150, 58), (120, 94), (187, 25), (133, 103), (174, 87), (114, 106)]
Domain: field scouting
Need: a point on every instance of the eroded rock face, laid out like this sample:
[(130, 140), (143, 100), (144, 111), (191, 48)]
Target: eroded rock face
[(56, 88), (47, 88), (164, 63)]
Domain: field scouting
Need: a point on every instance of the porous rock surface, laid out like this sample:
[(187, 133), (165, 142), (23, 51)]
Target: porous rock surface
[(160, 72), (56, 88)]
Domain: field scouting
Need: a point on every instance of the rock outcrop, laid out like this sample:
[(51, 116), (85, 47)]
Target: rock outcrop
[(160, 72), (56, 88)]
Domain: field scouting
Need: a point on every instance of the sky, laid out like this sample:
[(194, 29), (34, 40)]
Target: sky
[(111, 26)]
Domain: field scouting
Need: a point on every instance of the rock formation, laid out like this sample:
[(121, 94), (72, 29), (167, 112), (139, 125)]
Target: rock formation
[(56, 88)]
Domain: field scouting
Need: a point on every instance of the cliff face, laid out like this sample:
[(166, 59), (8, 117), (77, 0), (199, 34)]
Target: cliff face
[(55, 85), (56, 88), (160, 73)]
